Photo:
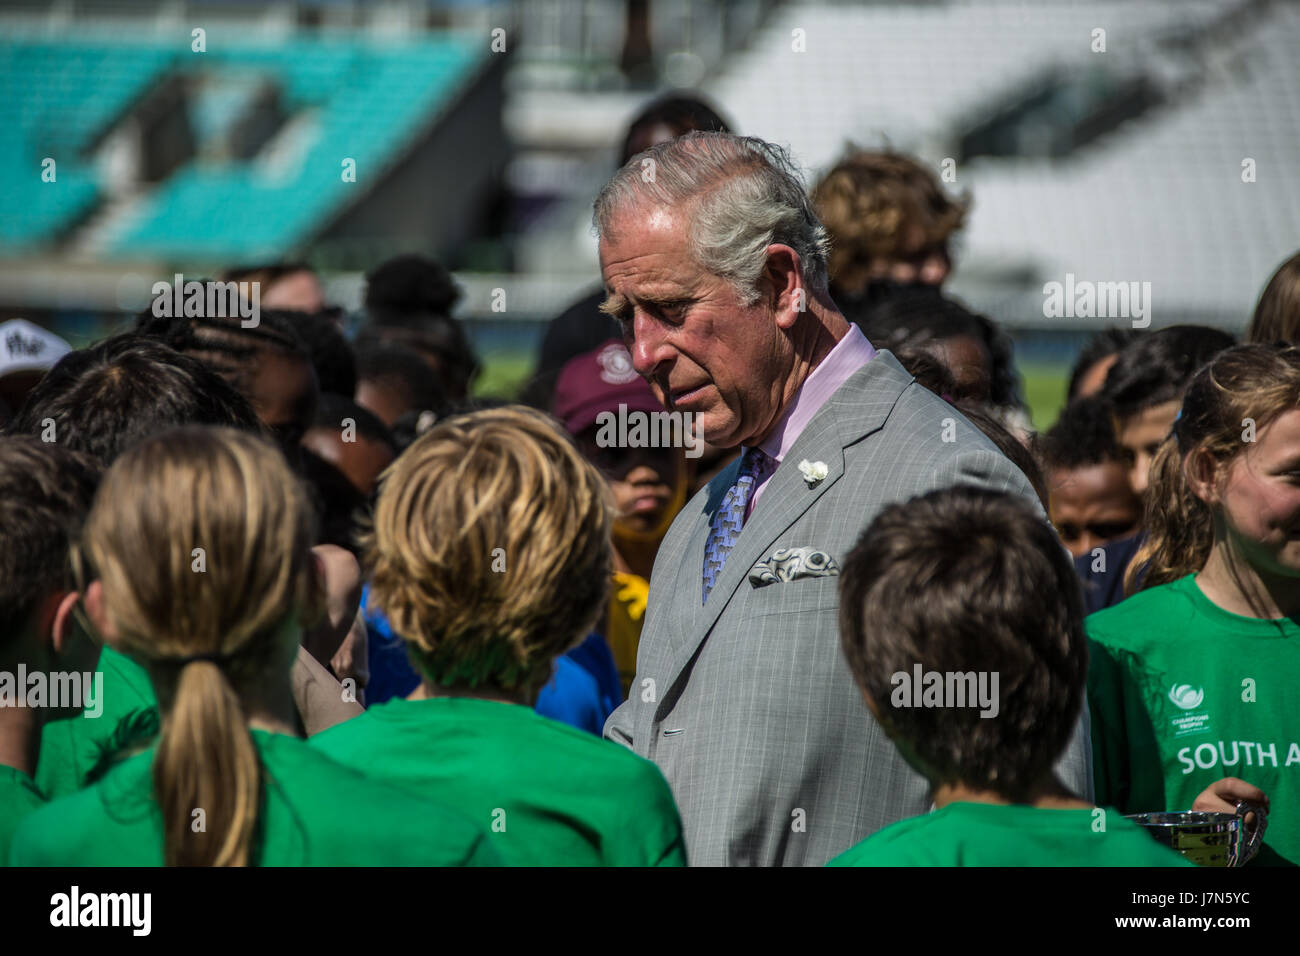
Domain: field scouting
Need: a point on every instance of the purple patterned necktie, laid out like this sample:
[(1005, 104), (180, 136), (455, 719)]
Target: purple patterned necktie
[(755, 467)]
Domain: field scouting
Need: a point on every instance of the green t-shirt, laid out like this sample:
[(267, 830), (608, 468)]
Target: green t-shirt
[(73, 746), (1184, 693), (19, 797), (548, 794), (988, 834), (314, 813)]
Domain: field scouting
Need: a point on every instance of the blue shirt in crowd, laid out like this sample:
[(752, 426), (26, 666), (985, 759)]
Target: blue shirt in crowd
[(583, 692)]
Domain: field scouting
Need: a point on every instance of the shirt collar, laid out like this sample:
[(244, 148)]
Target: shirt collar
[(849, 354)]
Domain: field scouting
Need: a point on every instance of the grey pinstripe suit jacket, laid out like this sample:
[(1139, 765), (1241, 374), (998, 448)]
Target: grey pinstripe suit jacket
[(745, 703)]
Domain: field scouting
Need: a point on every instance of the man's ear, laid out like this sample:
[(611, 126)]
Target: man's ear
[(63, 622), (1202, 474), (788, 294), (97, 611)]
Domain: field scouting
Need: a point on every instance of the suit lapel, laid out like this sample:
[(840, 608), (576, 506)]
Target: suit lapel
[(859, 407)]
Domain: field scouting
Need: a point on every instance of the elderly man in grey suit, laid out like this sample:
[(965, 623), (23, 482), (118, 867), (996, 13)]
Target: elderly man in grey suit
[(715, 266)]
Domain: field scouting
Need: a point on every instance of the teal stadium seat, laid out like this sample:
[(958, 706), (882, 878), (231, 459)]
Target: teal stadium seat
[(56, 97), (368, 100)]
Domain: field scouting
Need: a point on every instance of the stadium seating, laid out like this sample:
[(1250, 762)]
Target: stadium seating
[(1122, 208), (366, 103), (910, 71), (360, 101), (1163, 199), (56, 98)]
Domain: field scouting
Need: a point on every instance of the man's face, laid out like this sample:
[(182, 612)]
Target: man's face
[(1092, 506), (1140, 436), (691, 338)]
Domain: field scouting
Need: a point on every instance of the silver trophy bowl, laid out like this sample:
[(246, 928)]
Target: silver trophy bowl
[(1208, 839)]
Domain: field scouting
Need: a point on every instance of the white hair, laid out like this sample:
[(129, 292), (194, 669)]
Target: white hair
[(746, 194)]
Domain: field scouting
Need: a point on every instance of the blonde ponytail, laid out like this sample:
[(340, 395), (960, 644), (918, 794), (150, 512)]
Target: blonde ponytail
[(207, 777), (201, 539)]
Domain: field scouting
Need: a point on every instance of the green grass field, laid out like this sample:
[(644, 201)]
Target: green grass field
[(504, 372), (1044, 391)]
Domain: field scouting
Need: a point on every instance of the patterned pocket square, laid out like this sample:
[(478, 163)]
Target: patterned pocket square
[(790, 564)]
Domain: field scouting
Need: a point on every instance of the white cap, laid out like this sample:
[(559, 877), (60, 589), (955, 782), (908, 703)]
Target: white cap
[(26, 347)]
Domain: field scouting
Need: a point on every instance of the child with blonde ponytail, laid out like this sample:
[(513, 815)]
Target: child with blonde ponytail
[(1191, 681), (195, 561)]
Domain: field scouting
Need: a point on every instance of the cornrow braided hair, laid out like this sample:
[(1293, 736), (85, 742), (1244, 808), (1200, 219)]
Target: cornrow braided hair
[(223, 343)]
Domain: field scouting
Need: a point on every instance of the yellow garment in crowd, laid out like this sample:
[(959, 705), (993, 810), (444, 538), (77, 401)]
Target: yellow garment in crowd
[(627, 603), (631, 592)]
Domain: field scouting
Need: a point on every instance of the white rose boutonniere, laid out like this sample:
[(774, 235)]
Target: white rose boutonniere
[(812, 471)]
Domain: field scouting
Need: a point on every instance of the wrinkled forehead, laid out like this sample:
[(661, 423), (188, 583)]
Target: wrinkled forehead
[(640, 221), (646, 238)]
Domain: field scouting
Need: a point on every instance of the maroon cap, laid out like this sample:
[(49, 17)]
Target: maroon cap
[(600, 381)]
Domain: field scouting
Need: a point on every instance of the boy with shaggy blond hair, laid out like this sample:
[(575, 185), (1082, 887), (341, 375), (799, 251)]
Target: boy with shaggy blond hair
[(490, 554)]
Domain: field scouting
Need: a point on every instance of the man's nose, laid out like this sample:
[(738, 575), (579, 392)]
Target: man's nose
[(647, 345)]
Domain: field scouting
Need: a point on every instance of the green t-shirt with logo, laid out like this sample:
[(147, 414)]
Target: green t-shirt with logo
[(549, 794), (1184, 693), (314, 813), (989, 834), (19, 797), (74, 746)]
